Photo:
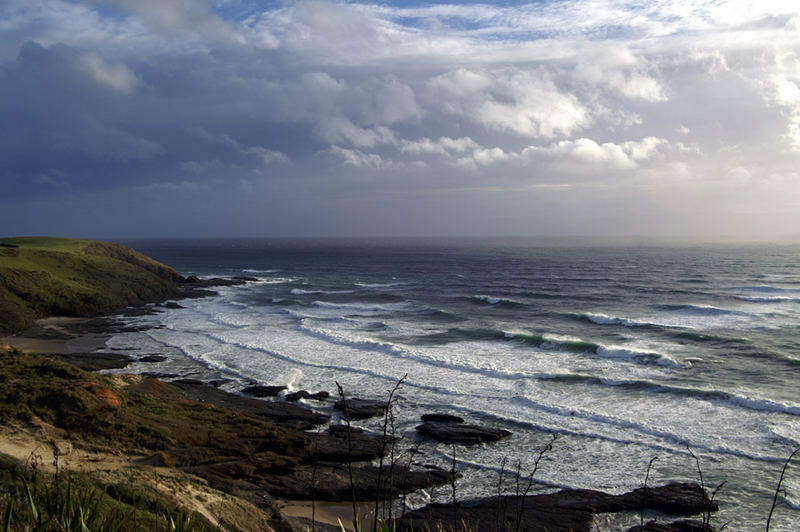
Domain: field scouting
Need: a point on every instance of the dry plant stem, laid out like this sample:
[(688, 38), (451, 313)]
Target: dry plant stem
[(778, 489), (644, 491), (386, 416), (349, 456), (521, 505), (500, 494), (707, 513), (314, 484), (453, 486), (413, 451), (392, 460)]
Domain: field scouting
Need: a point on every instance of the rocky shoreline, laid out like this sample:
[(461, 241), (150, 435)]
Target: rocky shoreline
[(311, 459)]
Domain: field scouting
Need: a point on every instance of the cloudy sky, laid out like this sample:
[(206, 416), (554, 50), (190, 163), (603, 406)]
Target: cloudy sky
[(123, 118)]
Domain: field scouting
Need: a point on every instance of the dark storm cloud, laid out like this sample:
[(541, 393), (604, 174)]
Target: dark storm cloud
[(318, 117)]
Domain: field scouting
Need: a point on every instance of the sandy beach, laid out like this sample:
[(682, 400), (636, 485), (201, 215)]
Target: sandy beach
[(54, 335)]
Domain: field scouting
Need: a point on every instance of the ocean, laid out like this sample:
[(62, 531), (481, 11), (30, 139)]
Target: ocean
[(625, 353)]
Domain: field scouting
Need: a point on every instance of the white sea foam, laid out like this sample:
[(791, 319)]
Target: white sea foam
[(493, 300), (363, 307), (768, 299), (277, 280), (640, 357), (379, 285), (605, 319), (300, 291)]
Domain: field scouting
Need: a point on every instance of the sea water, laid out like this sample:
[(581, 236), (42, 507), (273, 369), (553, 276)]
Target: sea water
[(625, 353)]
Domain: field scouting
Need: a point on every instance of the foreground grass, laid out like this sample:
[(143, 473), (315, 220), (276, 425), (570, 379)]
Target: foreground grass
[(32, 500), (43, 276)]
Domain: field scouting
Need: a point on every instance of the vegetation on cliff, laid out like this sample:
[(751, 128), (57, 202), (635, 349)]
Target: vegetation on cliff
[(43, 276)]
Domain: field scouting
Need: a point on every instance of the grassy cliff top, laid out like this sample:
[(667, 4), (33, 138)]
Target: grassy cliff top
[(45, 276)]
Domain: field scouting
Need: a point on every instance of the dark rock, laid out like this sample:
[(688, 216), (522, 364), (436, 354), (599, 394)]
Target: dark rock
[(683, 525), (364, 446), (303, 394), (263, 391), (361, 408), (158, 375), (333, 483), (216, 383), (245, 278), (193, 280), (95, 361), (568, 509), (192, 292), (280, 413), (153, 358), (139, 311), (442, 418), (342, 429), (675, 498), (458, 433), (319, 396), (172, 304), (296, 396), (189, 382)]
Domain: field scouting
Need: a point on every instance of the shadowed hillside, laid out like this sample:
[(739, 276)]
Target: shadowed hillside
[(42, 276)]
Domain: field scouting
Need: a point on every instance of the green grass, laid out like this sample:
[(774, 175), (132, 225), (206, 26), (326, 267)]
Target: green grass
[(45, 276)]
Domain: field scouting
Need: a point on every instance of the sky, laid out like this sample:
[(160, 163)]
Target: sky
[(617, 118)]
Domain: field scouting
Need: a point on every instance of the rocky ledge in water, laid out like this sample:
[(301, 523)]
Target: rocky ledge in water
[(442, 418), (681, 525), (456, 432), (280, 413), (263, 391), (356, 408), (152, 358), (566, 510), (304, 394)]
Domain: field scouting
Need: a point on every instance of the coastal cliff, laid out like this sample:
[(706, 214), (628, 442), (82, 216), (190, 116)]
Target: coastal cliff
[(43, 276)]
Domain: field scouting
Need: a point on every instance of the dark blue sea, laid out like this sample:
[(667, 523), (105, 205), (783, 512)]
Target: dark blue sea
[(625, 352)]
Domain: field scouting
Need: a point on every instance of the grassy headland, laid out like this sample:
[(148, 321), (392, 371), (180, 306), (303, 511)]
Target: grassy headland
[(43, 276)]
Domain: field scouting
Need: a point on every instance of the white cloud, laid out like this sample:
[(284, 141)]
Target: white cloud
[(267, 156), (643, 149), (556, 92), (590, 154), (618, 69), (116, 76), (526, 102), (356, 158), (485, 157), (443, 146), (340, 130)]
